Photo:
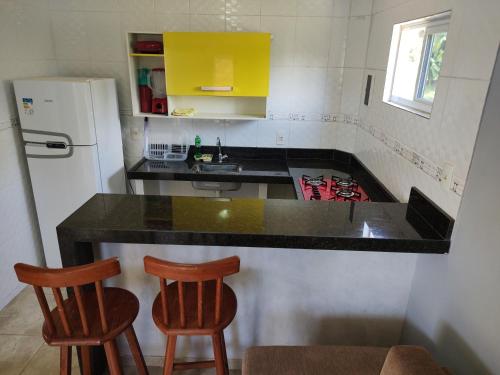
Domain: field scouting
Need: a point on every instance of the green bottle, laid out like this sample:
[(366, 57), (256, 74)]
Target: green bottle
[(197, 147)]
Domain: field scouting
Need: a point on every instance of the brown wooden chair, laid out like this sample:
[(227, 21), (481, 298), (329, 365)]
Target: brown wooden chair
[(89, 316), (196, 303)]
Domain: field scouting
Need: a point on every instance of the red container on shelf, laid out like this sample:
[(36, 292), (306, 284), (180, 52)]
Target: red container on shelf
[(148, 46), (160, 106), (146, 98)]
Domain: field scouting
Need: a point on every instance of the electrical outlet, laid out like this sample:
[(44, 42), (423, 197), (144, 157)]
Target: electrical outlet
[(280, 138), (457, 185), (446, 175)]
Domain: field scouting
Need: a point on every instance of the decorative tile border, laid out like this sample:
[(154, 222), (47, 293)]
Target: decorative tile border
[(419, 161)]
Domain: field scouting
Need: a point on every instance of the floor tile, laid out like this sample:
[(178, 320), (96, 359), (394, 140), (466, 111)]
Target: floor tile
[(23, 316), (16, 352), (46, 361)]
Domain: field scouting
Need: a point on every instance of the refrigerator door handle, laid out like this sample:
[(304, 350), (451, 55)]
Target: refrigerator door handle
[(57, 145)]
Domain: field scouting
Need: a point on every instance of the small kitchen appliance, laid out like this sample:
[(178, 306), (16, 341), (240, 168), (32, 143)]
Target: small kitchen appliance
[(160, 103)]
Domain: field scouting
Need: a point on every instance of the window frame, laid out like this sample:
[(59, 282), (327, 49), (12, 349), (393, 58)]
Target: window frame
[(433, 25), (430, 32)]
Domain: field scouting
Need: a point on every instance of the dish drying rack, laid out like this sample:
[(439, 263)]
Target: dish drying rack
[(165, 143)]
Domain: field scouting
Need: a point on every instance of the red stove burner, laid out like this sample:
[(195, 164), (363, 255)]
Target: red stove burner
[(340, 182), (346, 194), (314, 181), (336, 189), (315, 186)]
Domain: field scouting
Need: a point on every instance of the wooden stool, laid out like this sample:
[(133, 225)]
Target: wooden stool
[(90, 316), (197, 303)]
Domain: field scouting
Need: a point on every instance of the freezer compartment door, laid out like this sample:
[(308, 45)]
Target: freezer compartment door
[(58, 106), (60, 186)]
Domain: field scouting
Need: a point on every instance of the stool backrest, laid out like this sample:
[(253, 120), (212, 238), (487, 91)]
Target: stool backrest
[(70, 277), (191, 273)]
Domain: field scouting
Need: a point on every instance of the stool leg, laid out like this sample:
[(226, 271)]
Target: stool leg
[(112, 357), (85, 354), (224, 354), (136, 351), (168, 367), (65, 360), (219, 360)]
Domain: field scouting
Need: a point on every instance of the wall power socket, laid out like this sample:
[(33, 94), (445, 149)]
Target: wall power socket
[(446, 175), (280, 138)]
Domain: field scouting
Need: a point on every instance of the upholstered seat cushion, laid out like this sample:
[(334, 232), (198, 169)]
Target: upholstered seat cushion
[(314, 360), (410, 360)]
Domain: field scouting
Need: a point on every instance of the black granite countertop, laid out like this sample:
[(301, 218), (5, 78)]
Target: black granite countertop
[(253, 171), (295, 224), (267, 165)]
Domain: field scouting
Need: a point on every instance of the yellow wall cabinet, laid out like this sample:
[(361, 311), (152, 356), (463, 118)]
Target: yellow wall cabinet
[(217, 64), (220, 75)]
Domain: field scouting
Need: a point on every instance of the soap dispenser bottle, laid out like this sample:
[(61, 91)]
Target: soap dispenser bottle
[(197, 147)]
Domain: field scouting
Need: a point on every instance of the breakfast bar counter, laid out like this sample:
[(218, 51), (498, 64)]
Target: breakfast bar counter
[(293, 224)]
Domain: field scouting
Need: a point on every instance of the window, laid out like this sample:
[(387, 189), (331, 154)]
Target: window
[(415, 59)]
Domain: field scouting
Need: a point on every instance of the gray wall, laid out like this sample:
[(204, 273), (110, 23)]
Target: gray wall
[(454, 306), (26, 51)]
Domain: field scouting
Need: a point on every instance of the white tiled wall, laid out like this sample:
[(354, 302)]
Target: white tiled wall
[(308, 52), (26, 50), (449, 135)]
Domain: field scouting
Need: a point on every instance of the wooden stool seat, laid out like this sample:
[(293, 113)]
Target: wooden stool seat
[(122, 307), (208, 326), (91, 315), (196, 303)]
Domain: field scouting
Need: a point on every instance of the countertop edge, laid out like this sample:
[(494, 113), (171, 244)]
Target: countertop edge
[(252, 240)]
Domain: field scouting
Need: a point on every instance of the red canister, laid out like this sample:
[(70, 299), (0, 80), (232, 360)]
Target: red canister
[(146, 98)]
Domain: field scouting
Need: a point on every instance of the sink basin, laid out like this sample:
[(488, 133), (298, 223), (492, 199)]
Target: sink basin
[(217, 168)]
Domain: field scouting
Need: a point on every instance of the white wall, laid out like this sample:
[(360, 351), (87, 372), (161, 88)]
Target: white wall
[(26, 45), (308, 53), (454, 308), (449, 135), (285, 296)]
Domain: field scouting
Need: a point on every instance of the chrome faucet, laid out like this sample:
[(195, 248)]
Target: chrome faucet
[(221, 157)]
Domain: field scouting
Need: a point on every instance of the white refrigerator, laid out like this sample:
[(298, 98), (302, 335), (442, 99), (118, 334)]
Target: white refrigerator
[(72, 137)]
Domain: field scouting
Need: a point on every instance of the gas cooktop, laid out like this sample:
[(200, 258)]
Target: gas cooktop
[(332, 188)]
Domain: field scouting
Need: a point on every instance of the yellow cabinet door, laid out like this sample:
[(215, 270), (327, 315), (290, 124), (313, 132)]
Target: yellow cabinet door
[(217, 64)]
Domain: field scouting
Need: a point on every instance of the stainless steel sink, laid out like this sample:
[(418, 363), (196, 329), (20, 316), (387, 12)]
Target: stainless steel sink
[(217, 168)]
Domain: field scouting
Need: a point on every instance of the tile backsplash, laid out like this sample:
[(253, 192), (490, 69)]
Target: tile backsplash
[(307, 62), (322, 51), (403, 149)]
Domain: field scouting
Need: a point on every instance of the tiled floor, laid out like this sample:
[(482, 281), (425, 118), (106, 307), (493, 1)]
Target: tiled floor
[(22, 349)]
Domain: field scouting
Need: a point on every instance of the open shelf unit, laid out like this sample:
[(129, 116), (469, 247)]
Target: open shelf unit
[(207, 107), (142, 60)]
